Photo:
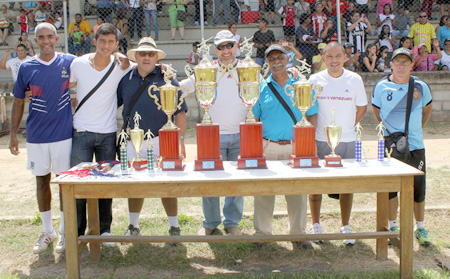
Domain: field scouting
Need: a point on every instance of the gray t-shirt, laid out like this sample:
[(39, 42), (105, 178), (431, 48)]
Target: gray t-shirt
[(402, 21)]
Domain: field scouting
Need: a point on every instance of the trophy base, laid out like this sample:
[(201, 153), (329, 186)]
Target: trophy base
[(172, 164), (331, 162), (208, 164), (252, 163), (304, 162), (141, 165)]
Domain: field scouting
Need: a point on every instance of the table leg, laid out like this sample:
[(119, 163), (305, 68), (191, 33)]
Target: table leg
[(406, 227), (94, 227), (70, 216), (382, 222)]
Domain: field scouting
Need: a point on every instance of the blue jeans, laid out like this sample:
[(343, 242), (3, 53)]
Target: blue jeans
[(154, 16), (136, 19), (84, 146), (233, 208)]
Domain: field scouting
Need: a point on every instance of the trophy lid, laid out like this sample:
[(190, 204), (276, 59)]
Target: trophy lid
[(303, 83)]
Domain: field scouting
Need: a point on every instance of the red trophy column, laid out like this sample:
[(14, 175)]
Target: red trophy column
[(169, 150), (252, 156), (304, 148), (208, 148)]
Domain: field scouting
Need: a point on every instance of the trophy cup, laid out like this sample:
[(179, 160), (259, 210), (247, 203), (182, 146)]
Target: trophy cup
[(137, 140), (169, 146), (303, 132), (123, 152), (358, 143), (333, 135), (248, 71), (380, 129), (208, 141)]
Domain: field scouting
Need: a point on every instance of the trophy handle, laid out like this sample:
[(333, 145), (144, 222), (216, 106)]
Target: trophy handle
[(317, 91), (291, 96), (154, 87), (265, 69), (188, 70), (184, 88)]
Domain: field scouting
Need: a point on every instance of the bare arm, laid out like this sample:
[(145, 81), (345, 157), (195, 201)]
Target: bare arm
[(180, 121), (5, 57), (376, 113), (16, 118), (360, 111), (426, 114), (313, 119)]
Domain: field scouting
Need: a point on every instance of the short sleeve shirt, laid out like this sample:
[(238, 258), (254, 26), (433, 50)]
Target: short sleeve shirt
[(422, 33)]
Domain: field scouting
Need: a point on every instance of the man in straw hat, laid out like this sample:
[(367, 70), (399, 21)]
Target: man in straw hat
[(147, 55), (94, 121)]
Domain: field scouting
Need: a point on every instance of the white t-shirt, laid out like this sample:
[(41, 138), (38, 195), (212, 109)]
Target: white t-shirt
[(228, 110), (386, 42), (14, 65), (342, 94), (98, 114), (387, 22), (58, 22), (445, 59)]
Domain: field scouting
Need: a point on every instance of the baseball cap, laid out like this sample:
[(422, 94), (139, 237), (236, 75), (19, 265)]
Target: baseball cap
[(224, 36), (348, 45), (196, 43), (273, 48), (401, 6), (402, 51), (321, 46), (421, 45), (447, 40)]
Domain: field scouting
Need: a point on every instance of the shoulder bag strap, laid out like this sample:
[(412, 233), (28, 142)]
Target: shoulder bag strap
[(96, 87), (409, 103), (282, 101), (136, 96)]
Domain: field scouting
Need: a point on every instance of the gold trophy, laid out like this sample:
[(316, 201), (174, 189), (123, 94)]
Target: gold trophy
[(333, 136), (169, 134), (248, 72), (208, 139), (137, 140), (303, 133)]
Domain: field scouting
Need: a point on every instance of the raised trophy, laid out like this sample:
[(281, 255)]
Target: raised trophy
[(251, 132), (333, 136), (169, 146), (208, 140), (304, 153)]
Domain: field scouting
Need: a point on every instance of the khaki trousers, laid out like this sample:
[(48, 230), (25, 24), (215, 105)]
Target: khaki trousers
[(264, 205)]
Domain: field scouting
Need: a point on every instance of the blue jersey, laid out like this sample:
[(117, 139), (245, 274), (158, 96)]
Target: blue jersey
[(50, 112), (277, 124), (391, 99)]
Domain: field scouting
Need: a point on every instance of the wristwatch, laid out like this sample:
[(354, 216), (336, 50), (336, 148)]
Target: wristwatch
[(181, 137)]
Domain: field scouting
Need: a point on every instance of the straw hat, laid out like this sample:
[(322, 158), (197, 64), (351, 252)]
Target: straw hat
[(145, 44)]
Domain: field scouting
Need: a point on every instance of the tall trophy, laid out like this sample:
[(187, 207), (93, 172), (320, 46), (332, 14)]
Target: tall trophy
[(251, 132), (169, 147), (333, 136), (304, 153), (208, 140)]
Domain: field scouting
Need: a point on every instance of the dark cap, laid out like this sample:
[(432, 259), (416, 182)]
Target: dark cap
[(447, 40), (348, 45), (274, 47), (262, 19), (196, 44), (403, 51), (401, 6)]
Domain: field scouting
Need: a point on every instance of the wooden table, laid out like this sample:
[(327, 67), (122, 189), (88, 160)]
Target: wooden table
[(278, 179)]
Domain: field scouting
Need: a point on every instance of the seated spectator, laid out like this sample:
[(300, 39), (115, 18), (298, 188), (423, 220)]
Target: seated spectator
[(402, 21), (292, 52), (233, 28), (6, 18), (30, 8), (77, 38), (405, 42), (442, 22), (306, 38), (443, 64), (370, 59), (23, 40), (194, 57), (122, 27), (442, 3), (86, 29), (363, 6), (381, 4), (100, 21), (318, 19), (386, 18), (303, 7), (39, 15), (351, 60), (57, 6), (312, 5), (347, 16), (424, 61), (383, 60), (317, 60), (56, 19), (357, 32), (386, 38), (14, 63), (444, 32), (329, 34)]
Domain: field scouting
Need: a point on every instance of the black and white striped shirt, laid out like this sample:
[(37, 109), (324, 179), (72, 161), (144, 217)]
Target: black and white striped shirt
[(357, 37)]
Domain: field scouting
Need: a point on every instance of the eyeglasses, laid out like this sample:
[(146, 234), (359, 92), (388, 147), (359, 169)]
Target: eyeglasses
[(145, 53), (228, 46), (280, 57), (423, 16), (402, 62)]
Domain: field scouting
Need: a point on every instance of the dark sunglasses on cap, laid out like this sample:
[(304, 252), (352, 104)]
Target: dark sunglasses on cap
[(144, 53), (228, 46)]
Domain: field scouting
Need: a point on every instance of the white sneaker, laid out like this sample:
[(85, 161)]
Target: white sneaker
[(108, 244), (196, 23), (347, 229), (61, 244), (317, 229), (206, 23), (43, 241)]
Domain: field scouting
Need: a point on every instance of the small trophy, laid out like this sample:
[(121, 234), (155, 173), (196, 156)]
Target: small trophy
[(303, 132), (208, 140), (248, 71), (380, 129), (123, 152), (358, 143), (137, 140), (169, 134), (333, 136), (150, 157)]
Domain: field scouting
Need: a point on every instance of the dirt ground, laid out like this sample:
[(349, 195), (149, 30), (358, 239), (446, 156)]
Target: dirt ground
[(18, 184)]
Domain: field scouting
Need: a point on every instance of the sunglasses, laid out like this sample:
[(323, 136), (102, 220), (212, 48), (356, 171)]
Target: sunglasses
[(446, 44), (228, 46), (145, 53), (280, 57), (423, 16)]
